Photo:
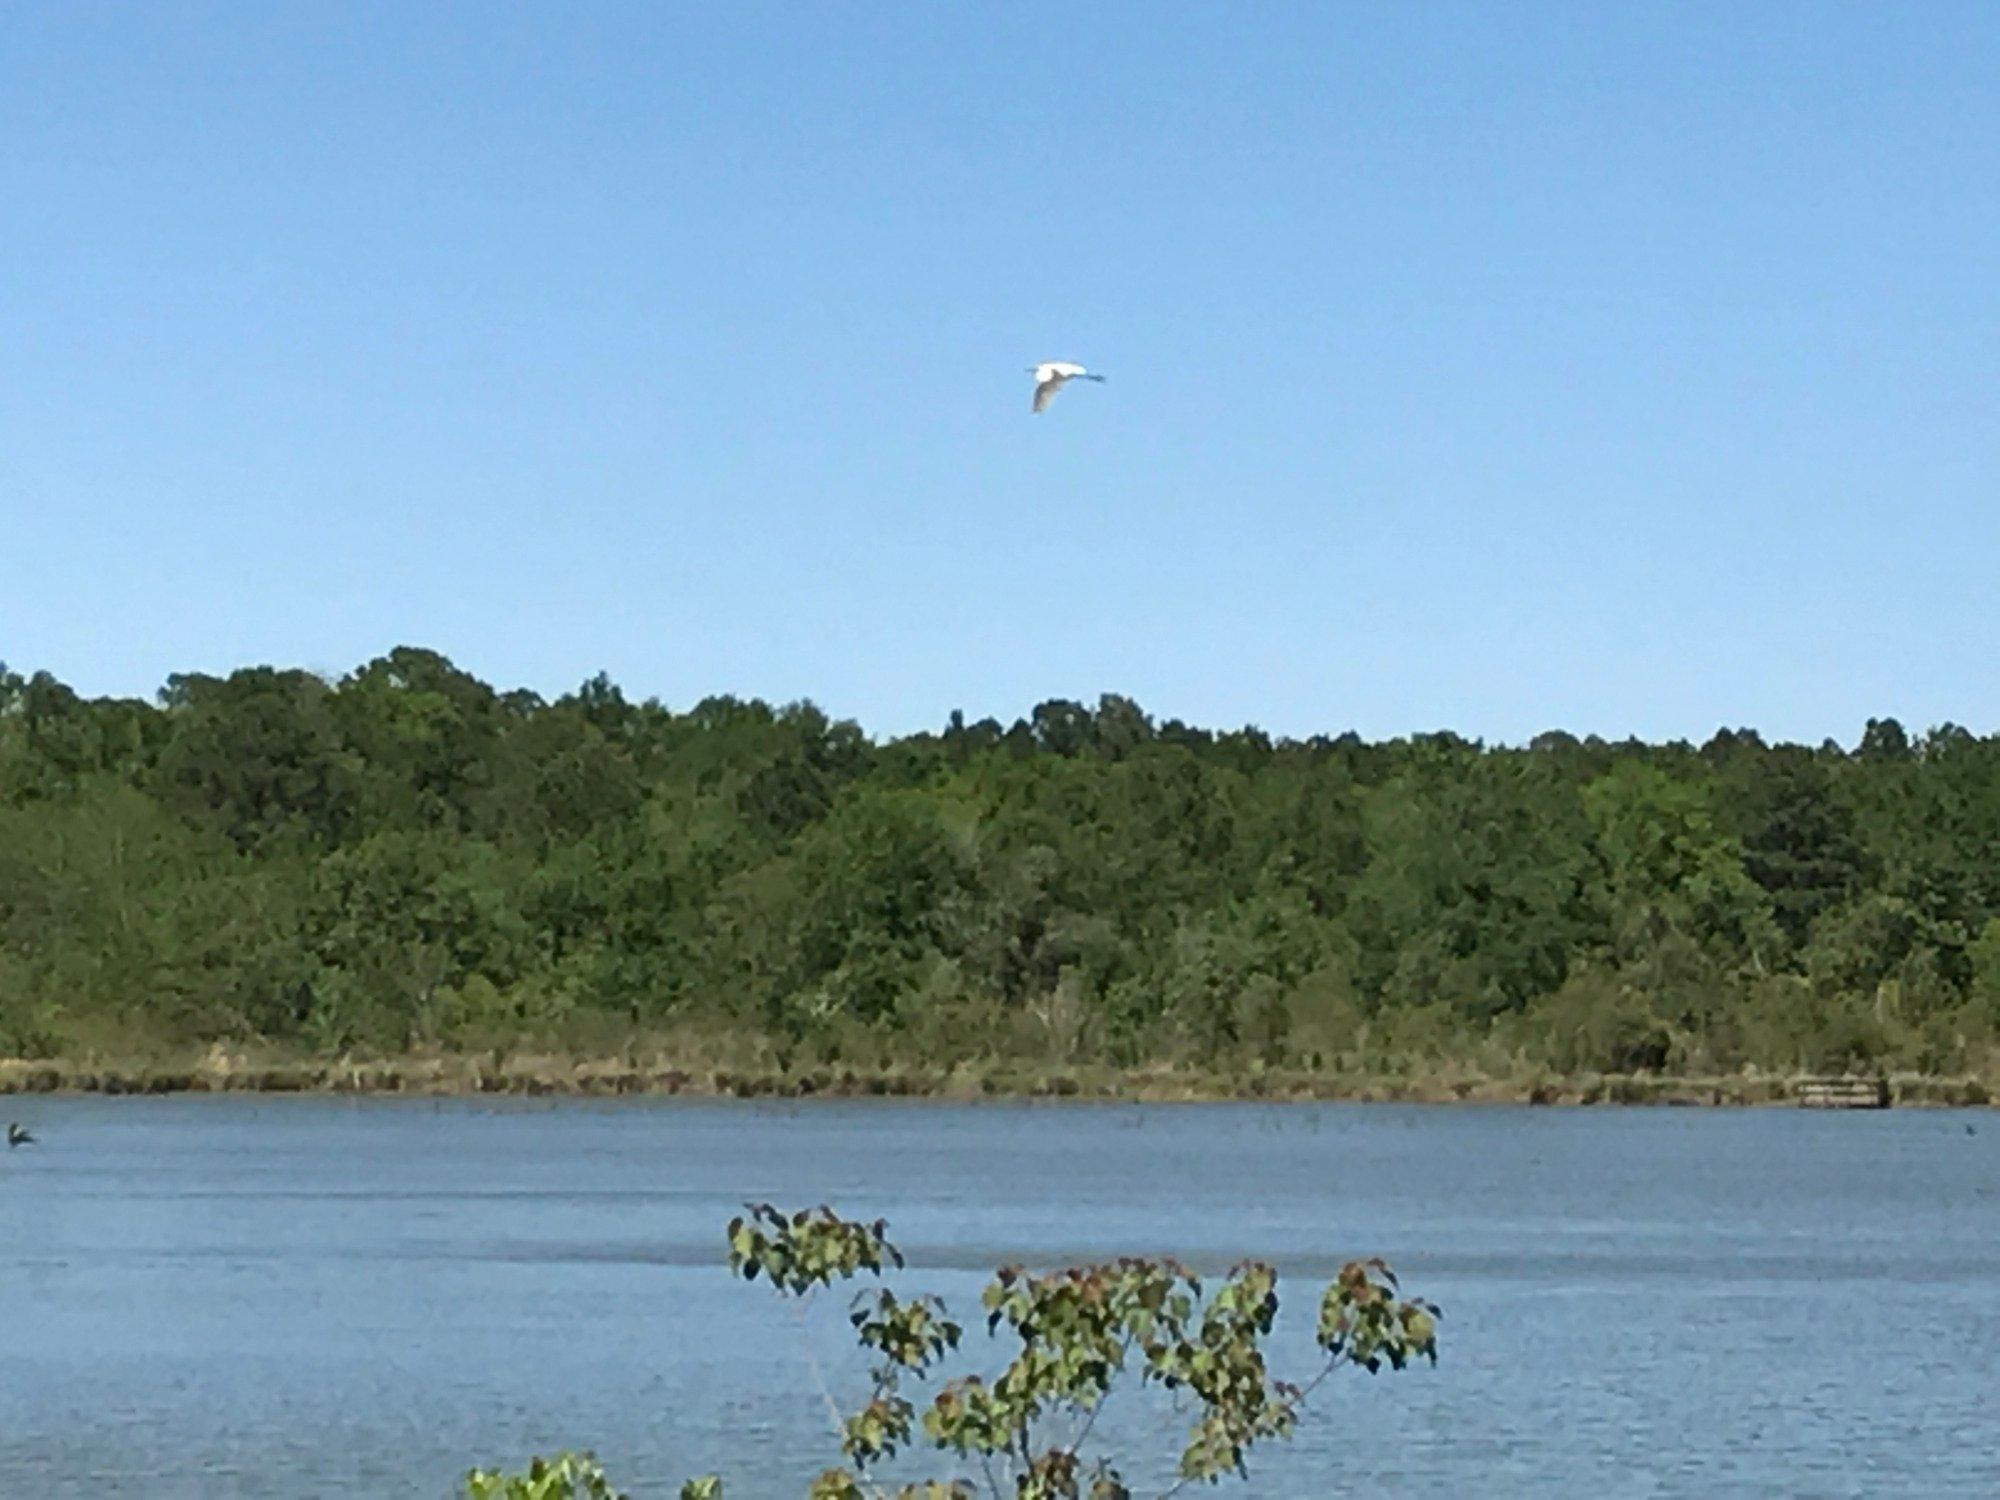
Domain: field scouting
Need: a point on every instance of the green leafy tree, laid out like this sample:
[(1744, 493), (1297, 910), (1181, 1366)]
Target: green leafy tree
[(1068, 1336), (405, 856)]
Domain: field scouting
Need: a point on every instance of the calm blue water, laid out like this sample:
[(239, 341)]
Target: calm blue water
[(237, 1297)]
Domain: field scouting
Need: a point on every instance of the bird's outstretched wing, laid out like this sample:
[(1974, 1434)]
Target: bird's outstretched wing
[(1045, 392)]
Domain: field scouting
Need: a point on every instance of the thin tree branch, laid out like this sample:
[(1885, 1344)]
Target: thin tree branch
[(1090, 1420), (819, 1379)]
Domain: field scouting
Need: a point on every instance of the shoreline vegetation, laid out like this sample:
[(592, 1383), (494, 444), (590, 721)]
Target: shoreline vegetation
[(551, 1075), (405, 879)]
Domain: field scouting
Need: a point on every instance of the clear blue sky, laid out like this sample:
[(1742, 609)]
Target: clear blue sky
[(1498, 367)]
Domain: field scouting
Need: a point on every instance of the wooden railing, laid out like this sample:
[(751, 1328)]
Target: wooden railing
[(1843, 1093)]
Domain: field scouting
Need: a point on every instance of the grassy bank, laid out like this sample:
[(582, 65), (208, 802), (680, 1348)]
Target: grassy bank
[(545, 1074)]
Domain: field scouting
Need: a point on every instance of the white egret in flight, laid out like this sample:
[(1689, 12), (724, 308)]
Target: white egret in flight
[(1052, 377)]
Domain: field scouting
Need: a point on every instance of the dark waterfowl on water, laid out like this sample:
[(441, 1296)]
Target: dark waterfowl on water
[(18, 1135)]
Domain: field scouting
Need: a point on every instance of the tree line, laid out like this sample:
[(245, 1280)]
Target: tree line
[(408, 857)]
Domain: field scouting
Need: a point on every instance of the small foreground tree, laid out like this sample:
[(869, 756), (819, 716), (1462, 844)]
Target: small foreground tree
[(1071, 1334)]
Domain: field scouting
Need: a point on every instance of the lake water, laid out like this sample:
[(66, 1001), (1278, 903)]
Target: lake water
[(287, 1297)]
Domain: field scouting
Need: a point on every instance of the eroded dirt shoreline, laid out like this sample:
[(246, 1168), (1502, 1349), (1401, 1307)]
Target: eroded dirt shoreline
[(542, 1075)]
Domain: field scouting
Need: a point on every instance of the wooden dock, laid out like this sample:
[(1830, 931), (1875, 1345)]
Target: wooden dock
[(1843, 1093)]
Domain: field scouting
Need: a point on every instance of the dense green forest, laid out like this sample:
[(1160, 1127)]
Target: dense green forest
[(408, 858)]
